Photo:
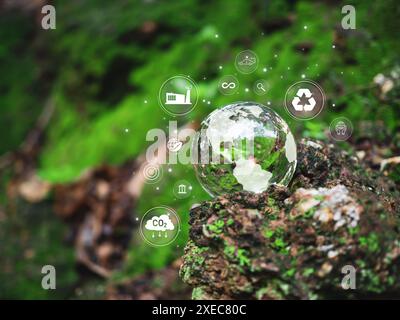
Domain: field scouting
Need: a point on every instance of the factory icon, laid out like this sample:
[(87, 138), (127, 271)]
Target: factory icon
[(177, 98)]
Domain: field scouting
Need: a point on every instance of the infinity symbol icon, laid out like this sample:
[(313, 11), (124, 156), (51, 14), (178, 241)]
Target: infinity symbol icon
[(230, 85)]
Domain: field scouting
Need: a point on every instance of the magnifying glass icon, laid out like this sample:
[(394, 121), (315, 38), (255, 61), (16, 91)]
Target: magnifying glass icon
[(260, 86)]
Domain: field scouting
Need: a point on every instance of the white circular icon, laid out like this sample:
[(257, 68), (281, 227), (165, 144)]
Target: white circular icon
[(160, 226), (304, 100), (246, 61), (260, 87), (182, 189), (152, 173), (228, 85), (178, 95), (341, 129)]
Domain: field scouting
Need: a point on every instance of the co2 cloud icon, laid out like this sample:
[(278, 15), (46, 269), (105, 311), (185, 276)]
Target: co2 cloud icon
[(160, 226), (161, 223), (304, 100)]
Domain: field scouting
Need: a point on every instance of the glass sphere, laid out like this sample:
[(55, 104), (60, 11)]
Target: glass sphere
[(244, 146)]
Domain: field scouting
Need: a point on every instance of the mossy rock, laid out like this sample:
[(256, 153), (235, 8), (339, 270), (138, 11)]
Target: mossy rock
[(293, 243)]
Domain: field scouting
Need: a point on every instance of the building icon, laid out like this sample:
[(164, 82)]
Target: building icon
[(176, 98), (182, 189)]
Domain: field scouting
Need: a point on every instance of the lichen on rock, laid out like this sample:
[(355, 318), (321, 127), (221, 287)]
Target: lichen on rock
[(292, 243)]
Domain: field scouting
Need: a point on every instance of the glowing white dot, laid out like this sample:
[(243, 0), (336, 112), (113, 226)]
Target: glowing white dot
[(157, 188), (145, 101), (333, 46), (265, 69), (220, 67), (204, 100), (333, 105), (216, 35), (208, 102), (305, 27), (169, 170), (303, 76), (269, 103), (275, 56), (126, 130), (247, 89), (137, 219), (288, 68)]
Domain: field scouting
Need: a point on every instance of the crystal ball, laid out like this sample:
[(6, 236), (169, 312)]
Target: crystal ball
[(244, 146)]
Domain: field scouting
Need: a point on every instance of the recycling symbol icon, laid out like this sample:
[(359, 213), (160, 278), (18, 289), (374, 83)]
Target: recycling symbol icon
[(304, 100)]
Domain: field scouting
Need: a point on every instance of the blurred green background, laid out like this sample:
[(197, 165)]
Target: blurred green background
[(102, 68)]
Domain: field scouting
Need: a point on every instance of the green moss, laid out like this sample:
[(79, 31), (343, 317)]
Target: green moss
[(198, 293), (353, 231), (276, 240), (227, 181), (237, 254), (371, 242), (195, 256), (308, 271), (229, 251), (194, 259), (310, 213), (185, 273), (216, 227), (268, 233), (242, 256), (279, 243), (217, 206), (370, 279), (290, 273), (273, 205)]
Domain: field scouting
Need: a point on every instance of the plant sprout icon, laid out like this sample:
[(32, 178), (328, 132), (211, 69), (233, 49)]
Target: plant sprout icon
[(161, 224)]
